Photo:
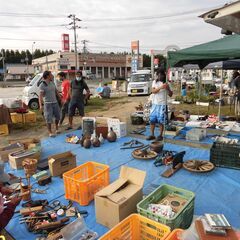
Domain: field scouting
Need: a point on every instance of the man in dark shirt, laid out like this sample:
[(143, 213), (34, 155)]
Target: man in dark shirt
[(77, 87)]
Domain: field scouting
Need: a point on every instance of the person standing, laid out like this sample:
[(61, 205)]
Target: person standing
[(77, 98), (65, 95), (48, 96), (159, 111)]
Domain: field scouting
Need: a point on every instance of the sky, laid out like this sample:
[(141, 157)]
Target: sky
[(108, 25)]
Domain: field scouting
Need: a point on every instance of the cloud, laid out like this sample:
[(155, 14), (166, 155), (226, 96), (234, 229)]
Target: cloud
[(183, 30)]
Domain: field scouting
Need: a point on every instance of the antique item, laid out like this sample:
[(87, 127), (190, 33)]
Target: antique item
[(156, 146), (198, 166), (96, 142), (112, 136)]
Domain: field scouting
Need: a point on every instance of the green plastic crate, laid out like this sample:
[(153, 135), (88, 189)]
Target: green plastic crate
[(182, 219)]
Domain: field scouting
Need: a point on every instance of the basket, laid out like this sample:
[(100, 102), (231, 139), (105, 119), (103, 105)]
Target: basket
[(137, 227), (182, 219), (30, 166), (4, 130), (174, 235), (225, 155), (17, 117), (82, 182)]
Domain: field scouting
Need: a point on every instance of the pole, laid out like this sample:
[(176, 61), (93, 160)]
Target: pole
[(3, 60), (74, 27), (220, 96), (75, 42), (152, 65), (47, 61)]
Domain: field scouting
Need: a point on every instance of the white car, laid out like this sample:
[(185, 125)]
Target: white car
[(140, 83), (31, 91)]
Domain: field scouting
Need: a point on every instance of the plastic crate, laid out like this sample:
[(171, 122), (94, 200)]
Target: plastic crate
[(225, 155), (174, 235), (30, 117), (137, 227), (17, 117), (82, 182), (4, 130), (182, 219)]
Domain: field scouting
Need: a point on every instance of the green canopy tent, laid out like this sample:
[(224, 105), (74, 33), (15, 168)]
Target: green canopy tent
[(219, 50), (222, 49)]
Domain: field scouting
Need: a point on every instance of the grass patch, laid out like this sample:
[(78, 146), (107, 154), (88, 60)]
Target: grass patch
[(201, 110)]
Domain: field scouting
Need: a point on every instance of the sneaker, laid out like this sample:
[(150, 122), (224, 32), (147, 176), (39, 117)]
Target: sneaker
[(159, 138), (57, 132), (149, 138), (79, 128), (69, 128), (52, 135)]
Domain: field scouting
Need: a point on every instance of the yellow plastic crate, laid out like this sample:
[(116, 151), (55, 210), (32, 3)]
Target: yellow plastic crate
[(17, 117), (137, 227), (30, 117), (4, 130), (174, 235)]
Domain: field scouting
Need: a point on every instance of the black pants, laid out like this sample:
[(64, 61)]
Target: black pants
[(64, 111)]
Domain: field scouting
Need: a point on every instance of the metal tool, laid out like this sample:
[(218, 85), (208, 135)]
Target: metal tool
[(132, 144)]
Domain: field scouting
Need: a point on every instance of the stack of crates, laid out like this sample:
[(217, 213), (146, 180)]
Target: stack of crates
[(82, 182), (181, 219)]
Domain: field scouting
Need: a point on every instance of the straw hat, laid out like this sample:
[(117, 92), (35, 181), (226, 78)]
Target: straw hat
[(4, 177)]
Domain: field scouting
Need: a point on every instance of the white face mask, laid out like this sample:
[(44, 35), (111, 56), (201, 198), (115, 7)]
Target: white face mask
[(78, 78)]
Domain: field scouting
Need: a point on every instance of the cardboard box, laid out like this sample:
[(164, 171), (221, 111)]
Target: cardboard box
[(120, 128), (16, 158), (5, 151), (61, 163), (119, 199)]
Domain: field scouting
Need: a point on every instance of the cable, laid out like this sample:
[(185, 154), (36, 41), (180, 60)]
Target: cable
[(151, 17), (30, 40), (38, 15), (36, 26)]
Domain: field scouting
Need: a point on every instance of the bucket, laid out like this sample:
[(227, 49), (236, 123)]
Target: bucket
[(88, 126)]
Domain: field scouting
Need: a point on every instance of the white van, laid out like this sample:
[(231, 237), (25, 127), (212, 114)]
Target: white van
[(31, 91), (140, 83)]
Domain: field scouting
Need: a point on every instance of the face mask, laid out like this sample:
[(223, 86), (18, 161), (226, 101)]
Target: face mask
[(78, 78)]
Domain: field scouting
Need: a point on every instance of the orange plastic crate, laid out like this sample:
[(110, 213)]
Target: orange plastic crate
[(82, 182), (174, 235), (137, 227)]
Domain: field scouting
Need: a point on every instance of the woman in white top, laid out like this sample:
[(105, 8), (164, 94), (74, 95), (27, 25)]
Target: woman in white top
[(158, 113)]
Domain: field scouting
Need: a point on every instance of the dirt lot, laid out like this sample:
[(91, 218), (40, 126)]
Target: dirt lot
[(120, 107)]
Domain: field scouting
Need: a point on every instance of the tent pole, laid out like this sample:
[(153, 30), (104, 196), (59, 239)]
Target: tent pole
[(199, 89), (220, 96)]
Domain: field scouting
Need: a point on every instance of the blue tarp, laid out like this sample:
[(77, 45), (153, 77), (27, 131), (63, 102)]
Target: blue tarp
[(216, 192)]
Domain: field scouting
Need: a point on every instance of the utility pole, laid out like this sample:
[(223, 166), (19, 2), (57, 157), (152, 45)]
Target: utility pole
[(3, 62), (84, 42), (74, 27)]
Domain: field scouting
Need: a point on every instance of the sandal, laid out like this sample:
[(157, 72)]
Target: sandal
[(57, 132), (52, 135), (69, 128), (149, 138), (159, 138)]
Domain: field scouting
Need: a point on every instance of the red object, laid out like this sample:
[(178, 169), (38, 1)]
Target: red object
[(65, 42), (65, 90)]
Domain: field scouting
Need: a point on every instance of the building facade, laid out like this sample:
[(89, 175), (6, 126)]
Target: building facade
[(18, 72), (101, 65)]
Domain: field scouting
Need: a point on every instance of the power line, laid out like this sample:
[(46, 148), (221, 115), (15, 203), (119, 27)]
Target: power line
[(150, 17), (30, 15), (32, 26), (30, 40)]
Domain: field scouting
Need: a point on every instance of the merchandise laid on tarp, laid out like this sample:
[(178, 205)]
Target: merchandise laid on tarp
[(96, 187)]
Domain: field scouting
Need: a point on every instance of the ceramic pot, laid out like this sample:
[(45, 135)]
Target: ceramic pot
[(87, 143), (101, 139), (112, 136), (156, 146), (96, 142)]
